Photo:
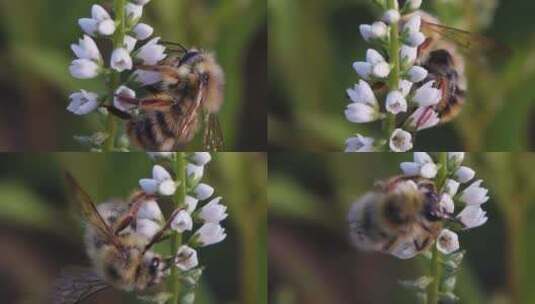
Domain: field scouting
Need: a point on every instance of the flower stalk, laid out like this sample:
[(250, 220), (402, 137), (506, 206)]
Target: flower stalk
[(176, 241), (115, 81), (390, 121), (433, 291)]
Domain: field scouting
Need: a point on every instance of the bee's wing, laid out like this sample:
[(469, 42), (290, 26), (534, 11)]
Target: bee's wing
[(75, 284), (89, 210), (213, 135), (191, 113), (467, 41)]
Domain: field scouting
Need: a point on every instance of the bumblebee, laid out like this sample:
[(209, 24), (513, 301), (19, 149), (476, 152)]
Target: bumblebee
[(120, 257), (402, 217), (190, 94)]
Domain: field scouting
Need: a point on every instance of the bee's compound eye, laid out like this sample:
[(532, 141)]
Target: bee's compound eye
[(154, 264)]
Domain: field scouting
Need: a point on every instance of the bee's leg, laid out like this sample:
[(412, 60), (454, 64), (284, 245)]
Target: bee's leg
[(160, 235), (421, 246), (118, 113), (428, 41), (125, 220)]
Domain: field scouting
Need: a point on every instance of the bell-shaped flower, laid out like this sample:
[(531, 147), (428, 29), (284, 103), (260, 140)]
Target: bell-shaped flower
[(203, 191), (87, 49), (408, 55), (83, 102), (472, 216), (186, 258), (133, 12), (121, 60), (161, 182), (474, 194), (151, 211), (400, 141), (391, 16), (200, 158), (395, 102), (359, 143), (361, 113), (100, 22), (447, 241), (152, 52), (191, 203), (427, 95), (423, 165), (147, 228), (213, 212), (182, 222), (423, 118), (417, 74), (362, 93), (451, 187), (209, 234), (84, 69), (142, 31), (125, 92), (464, 174), (194, 172)]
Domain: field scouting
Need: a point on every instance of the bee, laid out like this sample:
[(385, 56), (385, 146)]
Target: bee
[(441, 55), (120, 257), (402, 217), (190, 94)]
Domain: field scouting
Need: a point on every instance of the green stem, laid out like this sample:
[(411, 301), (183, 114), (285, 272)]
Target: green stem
[(176, 241), (433, 291), (393, 81), (115, 82)]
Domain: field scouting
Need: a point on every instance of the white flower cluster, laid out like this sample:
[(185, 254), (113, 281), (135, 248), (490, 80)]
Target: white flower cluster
[(470, 199), (414, 98), (209, 215), (89, 62)]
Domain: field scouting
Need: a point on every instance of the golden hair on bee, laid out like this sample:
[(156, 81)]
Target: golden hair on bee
[(192, 86), (401, 217)]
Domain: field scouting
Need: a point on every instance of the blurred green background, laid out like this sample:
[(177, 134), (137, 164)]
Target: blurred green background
[(41, 230), (311, 260), (35, 36), (313, 43)]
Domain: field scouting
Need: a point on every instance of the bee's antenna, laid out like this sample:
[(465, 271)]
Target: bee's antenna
[(183, 48)]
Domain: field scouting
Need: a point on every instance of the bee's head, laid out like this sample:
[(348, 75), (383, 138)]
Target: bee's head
[(440, 58), (151, 271)]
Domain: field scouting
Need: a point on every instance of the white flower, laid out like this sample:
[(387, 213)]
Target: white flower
[(362, 92), (414, 39), (404, 250), (143, 31), (141, 2), (361, 113), (147, 228), (391, 16), (474, 194), (381, 70), (160, 182), (121, 60), (417, 74), (133, 12), (151, 52), (427, 95), (379, 30), (151, 211), (472, 216), (405, 87), (423, 118), (395, 102), (359, 143), (146, 78), (414, 4), (201, 158), (213, 212), (163, 155), (203, 191), (464, 174), (423, 165), (413, 24), (447, 241), (194, 172), (123, 91), (84, 69), (451, 187), (186, 258), (408, 54), (455, 158), (182, 222), (83, 102), (363, 69), (209, 234), (191, 203), (400, 141), (446, 203), (366, 31), (87, 49), (129, 43), (100, 23)]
